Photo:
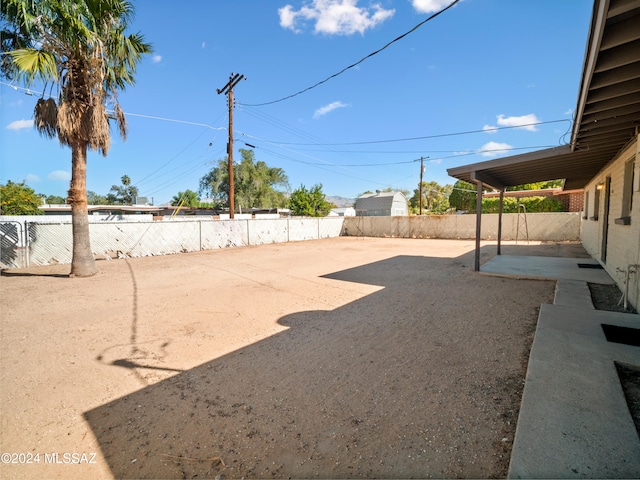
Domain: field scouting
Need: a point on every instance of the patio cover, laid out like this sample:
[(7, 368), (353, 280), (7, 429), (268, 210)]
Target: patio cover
[(607, 113)]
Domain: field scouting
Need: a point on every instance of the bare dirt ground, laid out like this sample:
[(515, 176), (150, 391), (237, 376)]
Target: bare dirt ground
[(337, 358)]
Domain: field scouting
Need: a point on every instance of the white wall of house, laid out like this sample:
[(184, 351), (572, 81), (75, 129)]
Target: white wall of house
[(622, 241)]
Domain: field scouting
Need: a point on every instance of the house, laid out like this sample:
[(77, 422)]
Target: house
[(51, 209), (382, 204), (603, 156), (343, 212)]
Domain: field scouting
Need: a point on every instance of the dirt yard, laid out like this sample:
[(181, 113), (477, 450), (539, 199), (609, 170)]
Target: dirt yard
[(335, 358)]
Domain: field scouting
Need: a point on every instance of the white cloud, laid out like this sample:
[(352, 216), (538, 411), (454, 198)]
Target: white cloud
[(328, 108), (493, 149), (526, 122), (31, 178), (59, 175), (430, 6), (335, 17), (156, 58), (20, 125), (490, 129)]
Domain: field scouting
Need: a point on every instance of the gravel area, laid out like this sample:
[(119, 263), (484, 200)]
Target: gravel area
[(338, 358)]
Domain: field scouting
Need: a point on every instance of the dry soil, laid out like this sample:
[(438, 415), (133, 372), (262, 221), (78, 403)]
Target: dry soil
[(334, 358)]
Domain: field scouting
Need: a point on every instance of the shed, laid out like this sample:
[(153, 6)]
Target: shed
[(382, 204)]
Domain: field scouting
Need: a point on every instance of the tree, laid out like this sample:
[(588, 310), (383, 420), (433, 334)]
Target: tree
[(435, 198), (81, 46), (463, 196), (95, 199), (256, 185), (536, 185), (124, 194), (55, 200), (19, 199), (188, 198), (310, 203)]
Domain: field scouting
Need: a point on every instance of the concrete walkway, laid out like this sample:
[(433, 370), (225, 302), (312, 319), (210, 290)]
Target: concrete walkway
[(574, 421)]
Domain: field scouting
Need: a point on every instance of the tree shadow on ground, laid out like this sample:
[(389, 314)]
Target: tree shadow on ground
[(410, 381), (6, 273)]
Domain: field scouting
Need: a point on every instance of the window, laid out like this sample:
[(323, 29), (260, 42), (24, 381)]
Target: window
[(596, 201), (585, 213), (627, 194)]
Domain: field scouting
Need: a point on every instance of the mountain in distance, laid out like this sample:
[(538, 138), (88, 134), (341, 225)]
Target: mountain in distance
[(341, 201)]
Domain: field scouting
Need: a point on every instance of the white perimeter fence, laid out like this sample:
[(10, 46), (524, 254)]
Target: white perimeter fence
[(29, 243), (552, 227), (45, 240)]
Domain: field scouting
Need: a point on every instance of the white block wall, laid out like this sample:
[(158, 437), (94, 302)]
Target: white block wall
[(51, 243), (623, 242), (536, 226)]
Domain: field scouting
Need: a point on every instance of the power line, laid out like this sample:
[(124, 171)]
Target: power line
[(354, 64), (468, 132)]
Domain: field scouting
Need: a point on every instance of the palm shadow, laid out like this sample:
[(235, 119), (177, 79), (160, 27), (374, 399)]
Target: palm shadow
[(320, 398)]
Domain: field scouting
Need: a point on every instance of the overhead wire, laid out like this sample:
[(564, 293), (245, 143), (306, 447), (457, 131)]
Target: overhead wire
[(324, 165), (425, 137), (356, 63)]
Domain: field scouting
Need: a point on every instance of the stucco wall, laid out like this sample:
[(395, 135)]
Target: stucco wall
[(623, 241), (51, 243), (535, 226)]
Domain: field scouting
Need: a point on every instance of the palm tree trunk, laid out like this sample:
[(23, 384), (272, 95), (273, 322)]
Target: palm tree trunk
[(82, 263)]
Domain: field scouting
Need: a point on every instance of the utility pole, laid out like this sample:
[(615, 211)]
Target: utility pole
[(421, 172), (228, 90)]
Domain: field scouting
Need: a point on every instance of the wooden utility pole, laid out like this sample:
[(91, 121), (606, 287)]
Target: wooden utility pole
[(228, 90), (421, 172)]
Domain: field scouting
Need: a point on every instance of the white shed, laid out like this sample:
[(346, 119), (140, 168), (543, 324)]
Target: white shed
[(382, 204)]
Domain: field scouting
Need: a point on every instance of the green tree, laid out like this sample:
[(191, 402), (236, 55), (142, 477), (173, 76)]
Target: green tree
[(463, 196), (124, 194), (19, 199), (256, 185), (81, 46), (532, 204), (537, 185), (189, 197), (310, 203), (435, 198), (95, 199), (55, 200)]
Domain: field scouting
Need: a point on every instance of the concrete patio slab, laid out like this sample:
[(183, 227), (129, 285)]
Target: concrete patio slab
[(548, 268), (574, 421)]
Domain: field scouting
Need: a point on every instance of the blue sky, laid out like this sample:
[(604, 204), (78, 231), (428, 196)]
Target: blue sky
[(481, 64)]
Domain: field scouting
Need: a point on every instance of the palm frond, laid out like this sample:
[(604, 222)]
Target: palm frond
[(69, 119), (35, 64), (121, 120), (95, 128), (46, 117)]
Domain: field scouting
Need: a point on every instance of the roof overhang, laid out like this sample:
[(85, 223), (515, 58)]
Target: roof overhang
[(607, 113)]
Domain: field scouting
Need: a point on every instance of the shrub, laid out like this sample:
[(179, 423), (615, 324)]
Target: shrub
[(531, 204)]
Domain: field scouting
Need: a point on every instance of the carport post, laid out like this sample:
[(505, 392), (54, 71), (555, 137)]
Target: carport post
[(499, 252), (478, 224)]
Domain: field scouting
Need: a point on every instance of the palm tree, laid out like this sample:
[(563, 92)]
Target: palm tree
[(80, 46)]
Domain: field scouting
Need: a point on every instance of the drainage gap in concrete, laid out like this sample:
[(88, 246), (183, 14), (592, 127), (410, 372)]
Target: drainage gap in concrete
[(608, 297), (624, 335), (590, 265), (630, 379)]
